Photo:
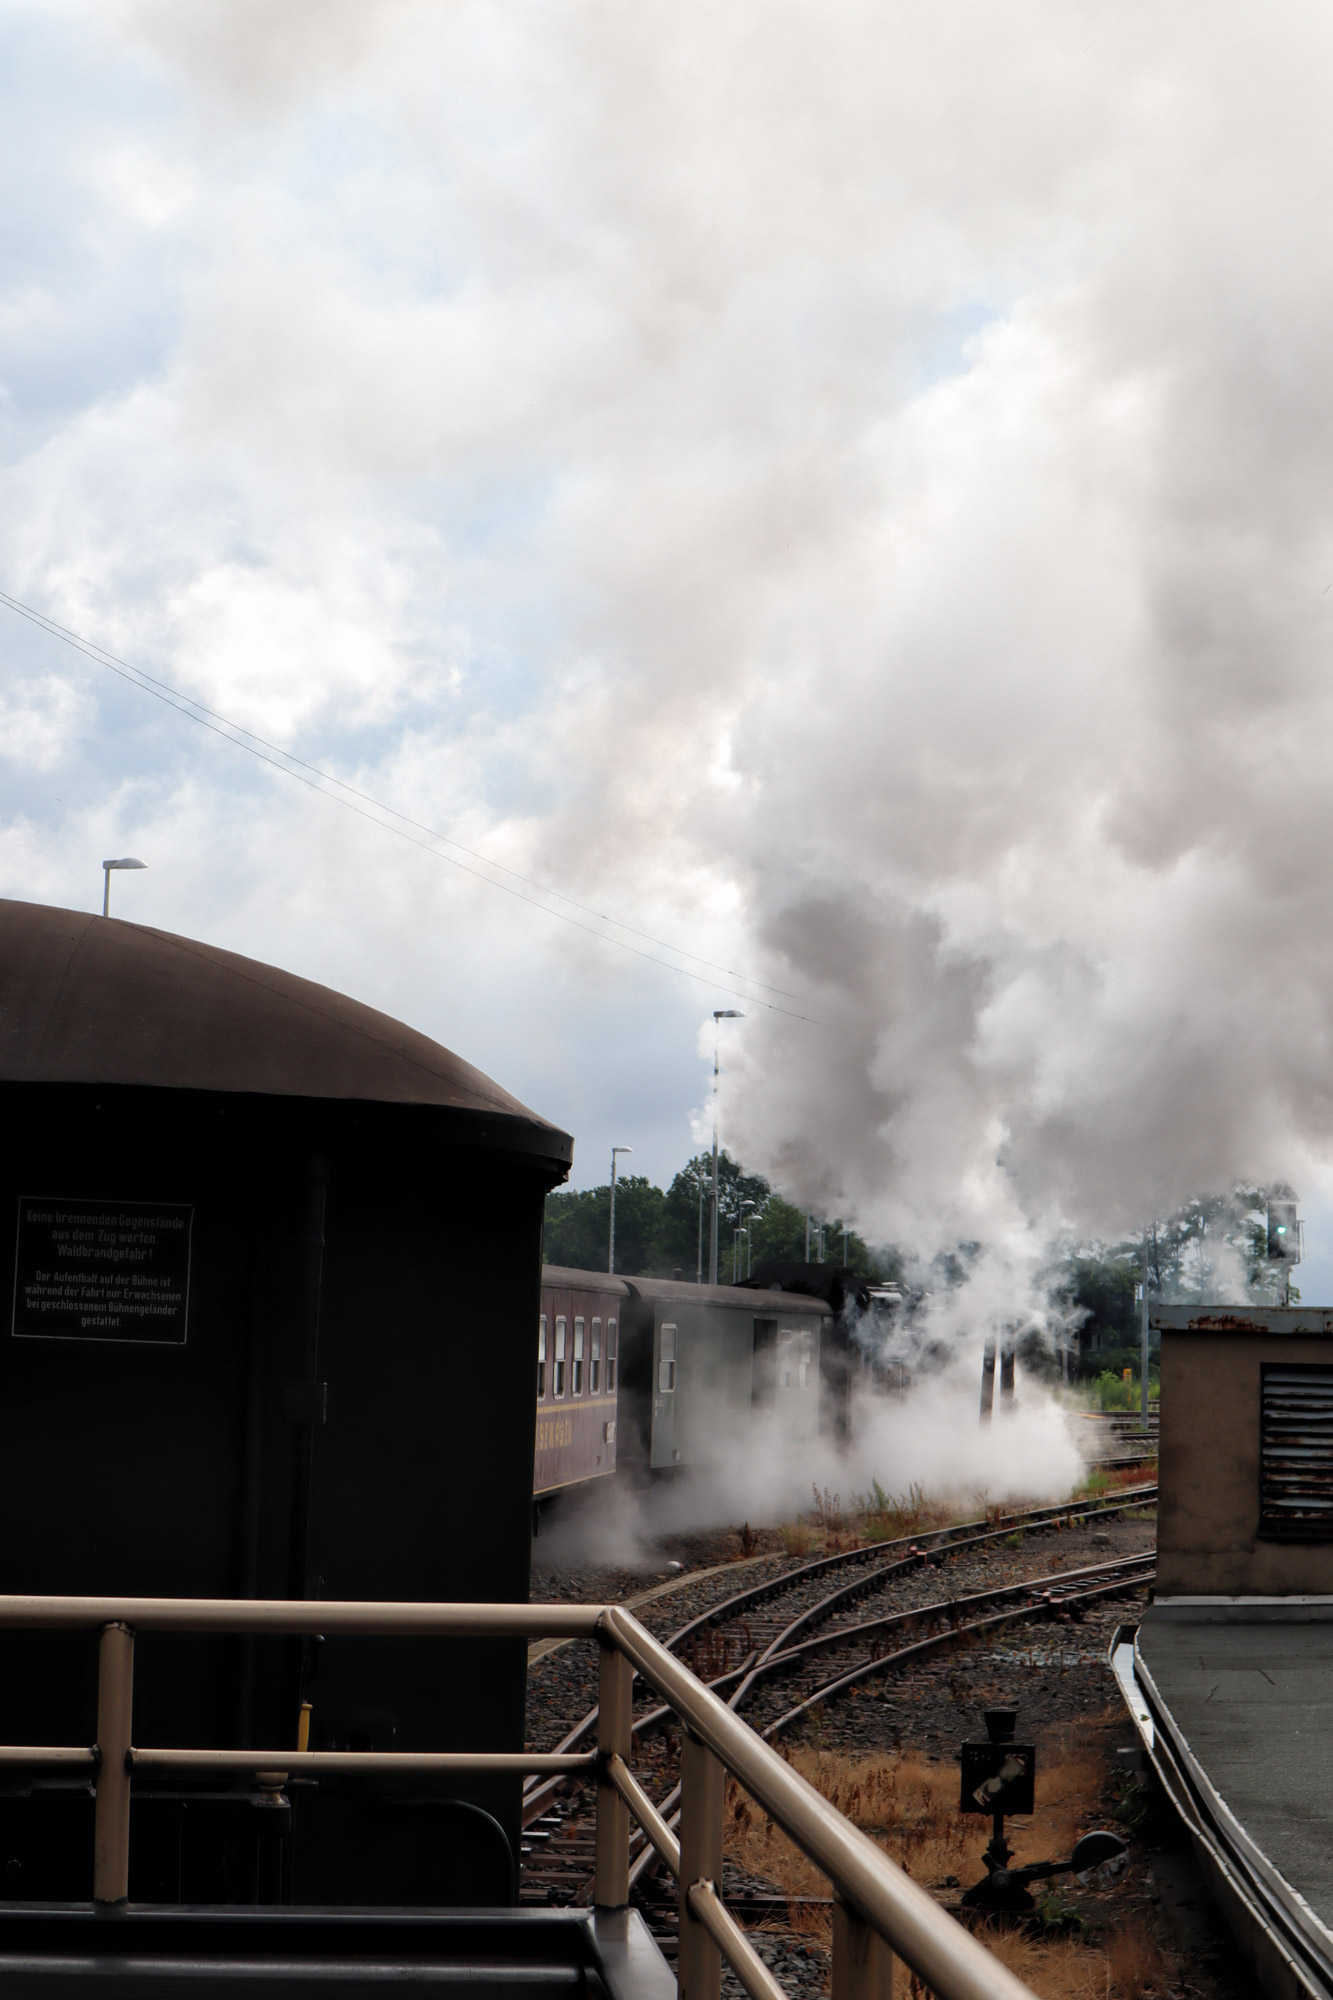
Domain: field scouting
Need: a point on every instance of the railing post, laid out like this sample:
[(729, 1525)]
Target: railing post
[(862, 1962), (702, 1799), (111, 1822), (614, 1718)]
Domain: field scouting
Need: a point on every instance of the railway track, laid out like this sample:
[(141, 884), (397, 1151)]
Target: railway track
[(789, 1645)]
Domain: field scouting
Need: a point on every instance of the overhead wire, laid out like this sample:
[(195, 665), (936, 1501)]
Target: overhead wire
[(318, 780)]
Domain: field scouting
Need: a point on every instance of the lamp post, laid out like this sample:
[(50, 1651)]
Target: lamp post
[(611, 1248), (719, 1014), (1143, 1341), (745, 1234), (128, 862), (699, 1271)]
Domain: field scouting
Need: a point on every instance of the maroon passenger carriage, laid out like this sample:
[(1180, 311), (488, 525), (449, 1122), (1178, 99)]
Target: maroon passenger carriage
[(578, 1367)]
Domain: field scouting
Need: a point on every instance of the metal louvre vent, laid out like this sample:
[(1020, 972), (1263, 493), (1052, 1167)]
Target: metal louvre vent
[(1296, 1453)]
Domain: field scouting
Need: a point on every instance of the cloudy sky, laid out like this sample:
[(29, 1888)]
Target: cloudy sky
[(832, 501)]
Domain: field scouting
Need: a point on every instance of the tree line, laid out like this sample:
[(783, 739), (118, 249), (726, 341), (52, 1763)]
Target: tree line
[(658, 1231), (1193, 1254)]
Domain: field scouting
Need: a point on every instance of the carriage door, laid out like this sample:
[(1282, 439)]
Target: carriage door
[(796, 1368), (798, 1381), (664, 1450), (764, 1371)]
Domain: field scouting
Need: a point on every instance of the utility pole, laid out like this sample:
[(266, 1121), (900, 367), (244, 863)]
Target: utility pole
[(743, 1242), (719, 1014), (699, 1271), (1143, 1342), (611, 1247)]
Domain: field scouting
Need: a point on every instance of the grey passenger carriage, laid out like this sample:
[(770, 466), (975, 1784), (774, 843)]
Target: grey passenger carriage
[(708, 1366), (655, 1377)]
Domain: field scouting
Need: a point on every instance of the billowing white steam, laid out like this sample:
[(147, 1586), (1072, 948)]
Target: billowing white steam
[(917, 429), (890, 451), (930, 1441)]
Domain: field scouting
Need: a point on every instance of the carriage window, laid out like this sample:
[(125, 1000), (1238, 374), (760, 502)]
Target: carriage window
[(786, 1342), (578, 1357), (559, 1354), (541, 1358), (595, 1360), (666, 1360), (612, 1351), (807, 1356)]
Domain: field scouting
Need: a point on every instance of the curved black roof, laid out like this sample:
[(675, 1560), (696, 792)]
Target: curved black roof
[(87, 999), (564, 1278)]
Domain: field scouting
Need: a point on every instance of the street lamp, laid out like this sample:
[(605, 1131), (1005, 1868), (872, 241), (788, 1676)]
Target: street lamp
[(107, 866), (719, 1014), (745, 1236), (611, 1252)]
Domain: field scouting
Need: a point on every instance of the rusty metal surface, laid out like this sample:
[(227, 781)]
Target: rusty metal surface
[(1280, 1320), (91, 1000)]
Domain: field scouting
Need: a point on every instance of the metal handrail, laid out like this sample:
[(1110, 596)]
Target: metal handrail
[(938, 1949), (878, 1909)]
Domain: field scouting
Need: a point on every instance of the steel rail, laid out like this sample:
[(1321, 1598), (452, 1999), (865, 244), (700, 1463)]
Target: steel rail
[(769, 1662), (939, 1950), (940, 1640), (962, 1535), (1017, 1615), (967, 1534), (953, 1634)]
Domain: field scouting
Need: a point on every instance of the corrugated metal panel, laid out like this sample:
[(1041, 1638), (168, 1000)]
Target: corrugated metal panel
[(1296, 1453)]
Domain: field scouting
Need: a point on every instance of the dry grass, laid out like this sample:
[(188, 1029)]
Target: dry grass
[(1111, 1478), (886, 1517), (1128, 1964), (796, 1538), (909, 1806), (878, 1516)]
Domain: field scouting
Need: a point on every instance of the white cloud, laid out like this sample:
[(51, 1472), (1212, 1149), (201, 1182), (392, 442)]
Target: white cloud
[(843, 490)]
